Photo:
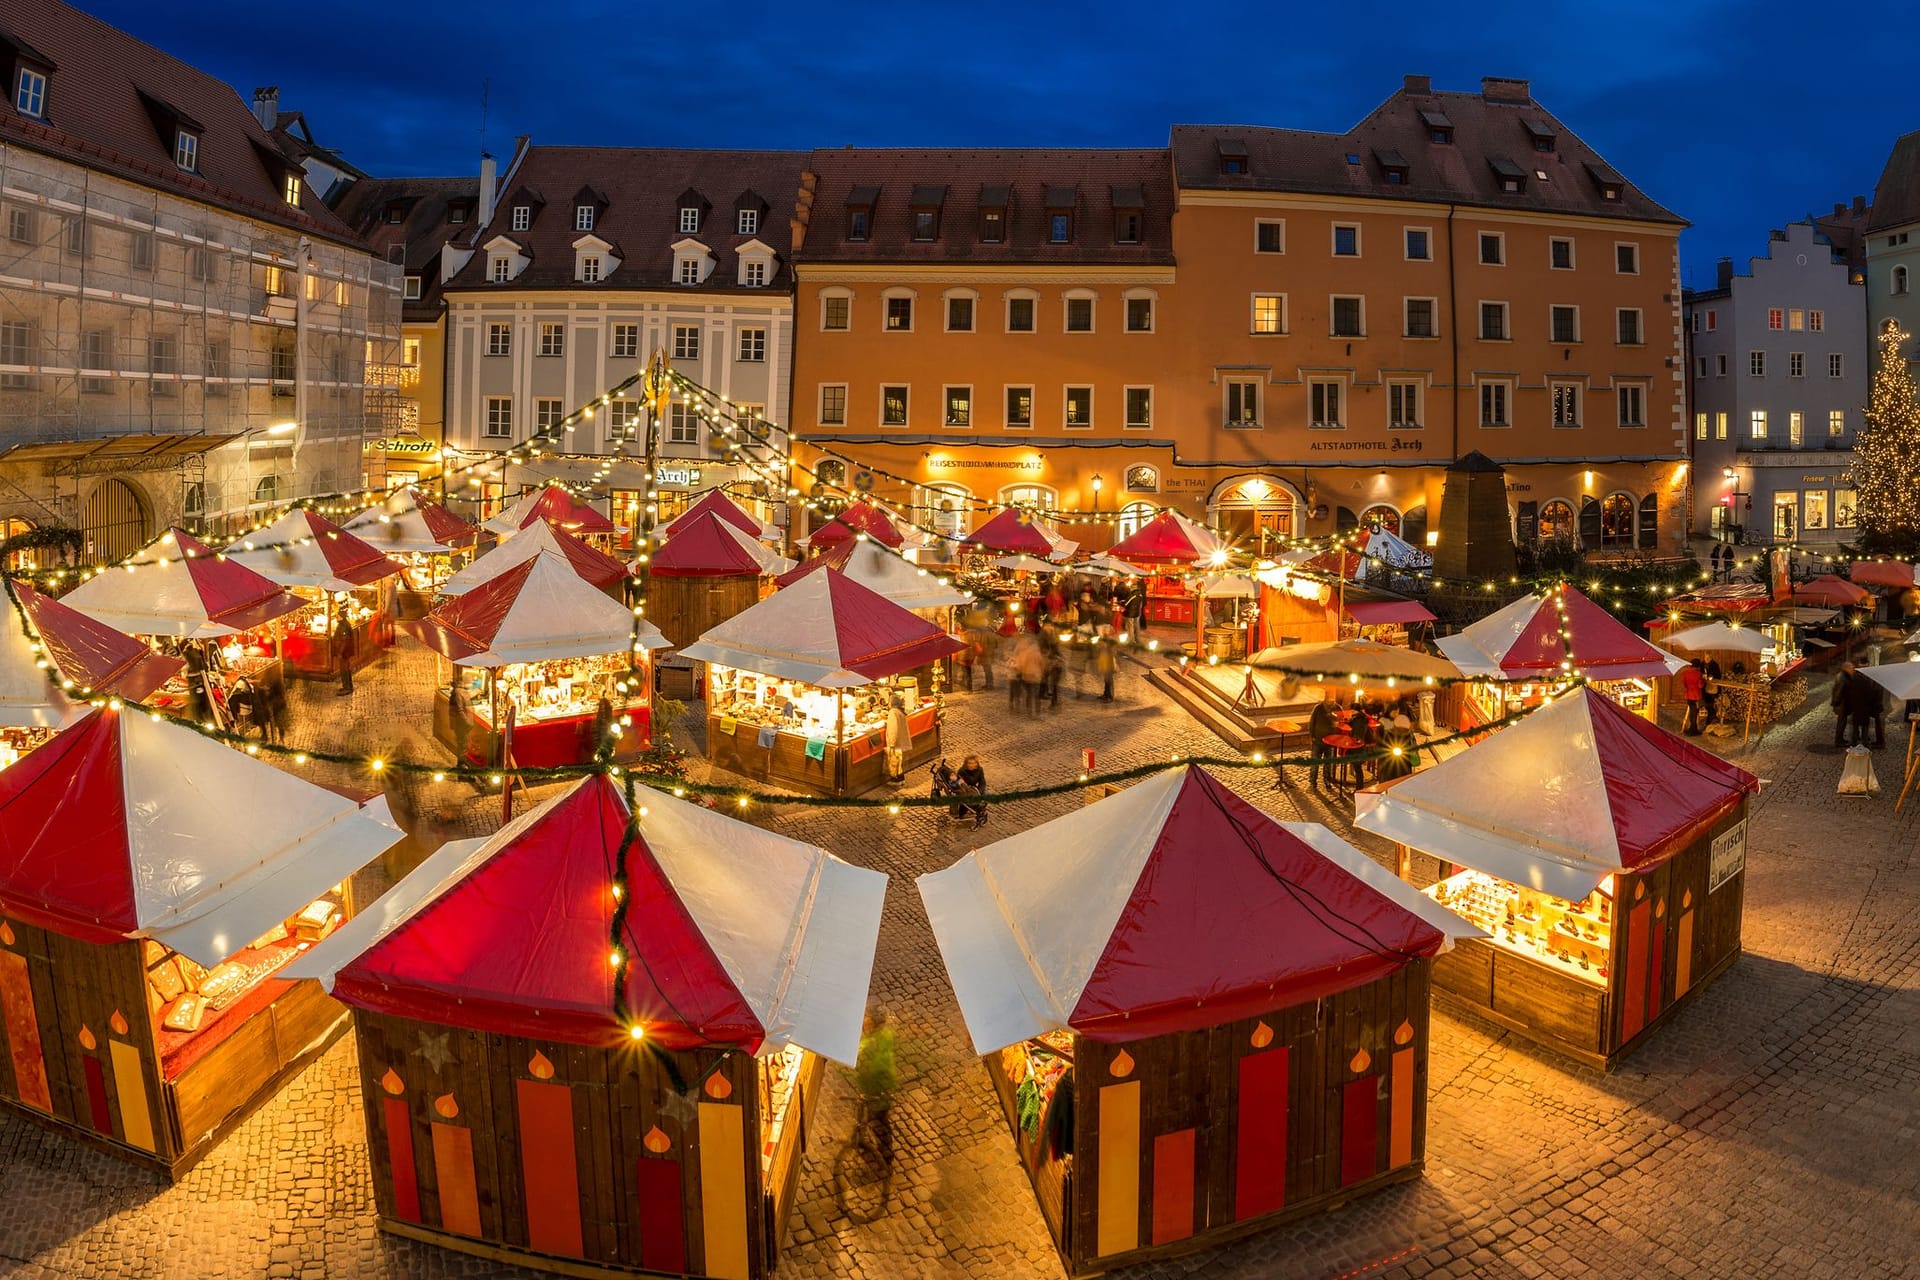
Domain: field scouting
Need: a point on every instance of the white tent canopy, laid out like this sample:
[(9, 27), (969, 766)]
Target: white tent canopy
[(771, 562), (396, 525), (1718, 635), (794, 634), (554, 614), (1481, 647), (288, 552), (28, 699), (1225, 586), (1901, 679), (907, 585), (541, 539), (1396, 551), (1025, 564)]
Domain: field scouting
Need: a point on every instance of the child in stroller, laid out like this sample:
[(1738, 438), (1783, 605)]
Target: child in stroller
[(946, 782)]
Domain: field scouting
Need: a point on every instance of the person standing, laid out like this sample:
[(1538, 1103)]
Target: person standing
[(974, 779), (899, 740), (343, 651), (1840, 703), (1106, 663), (1322, 724), (1866, 708), (1693, 685), (1712, 698)]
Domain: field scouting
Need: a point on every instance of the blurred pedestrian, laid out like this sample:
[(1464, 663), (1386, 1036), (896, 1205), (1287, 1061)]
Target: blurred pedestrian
[(1693, 686), (344, 649), (1106, 663)]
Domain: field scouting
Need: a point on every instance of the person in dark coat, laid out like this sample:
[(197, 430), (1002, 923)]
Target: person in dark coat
[(1866, 709), (273, 696), (1842, 689), (1323, 722), (343, 650), (974, 778)]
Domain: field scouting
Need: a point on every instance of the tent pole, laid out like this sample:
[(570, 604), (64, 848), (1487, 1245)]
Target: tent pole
[(839, 739)]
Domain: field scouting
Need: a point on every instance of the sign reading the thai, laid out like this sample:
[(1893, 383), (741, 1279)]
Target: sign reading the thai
[(1728, 856)]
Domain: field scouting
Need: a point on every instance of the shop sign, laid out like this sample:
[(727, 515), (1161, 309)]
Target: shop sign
[(1816, 479), (1187, 482), (681, 476), (403, 447), (984, 464), (1728, 856), (1400, 444), (1519, 488)]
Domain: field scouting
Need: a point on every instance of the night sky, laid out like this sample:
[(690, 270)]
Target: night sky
[(1738, 116)]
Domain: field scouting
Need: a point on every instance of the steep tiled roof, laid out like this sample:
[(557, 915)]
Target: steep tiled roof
[(1495, 135), (638, 194), (1091, 185), (422, 232), (108, 96), (1896, 200)]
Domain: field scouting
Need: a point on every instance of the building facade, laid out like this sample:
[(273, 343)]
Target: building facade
[(1779, 365), (185, 329), (1893, 241), (1321, 324), (593, 259)]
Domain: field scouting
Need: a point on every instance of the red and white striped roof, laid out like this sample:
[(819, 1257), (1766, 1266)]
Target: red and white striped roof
[(852, 521), (716, 502), (551, 503), (534, 612), (86, 656), (305, 549), (177, 586), (1555, 633), (406, 522), (593, 565), (1018, 531)]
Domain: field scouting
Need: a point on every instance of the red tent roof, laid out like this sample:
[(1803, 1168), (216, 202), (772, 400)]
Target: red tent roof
[(1830, 590), (1372, 613), (348, 558), (562, 508), (1161, 540), (1662, 790), (1012, 531), (536, 611), (702, 548), (715, 502), (216, 595), (825, 629), (859, 517), (1882, 573), (834, 557), (92, 654), (591, 563), (446, 527), (1525, 638), (1725, 597)]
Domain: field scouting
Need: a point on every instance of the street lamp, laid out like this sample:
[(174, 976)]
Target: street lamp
[(1735, 517), (1096, 494)]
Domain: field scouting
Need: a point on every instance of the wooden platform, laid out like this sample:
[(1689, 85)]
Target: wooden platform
[(1246, 729)]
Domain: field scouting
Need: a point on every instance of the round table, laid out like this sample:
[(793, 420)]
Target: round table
[(1342, 743)]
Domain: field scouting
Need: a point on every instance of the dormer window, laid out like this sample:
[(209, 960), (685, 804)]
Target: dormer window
[(746, 222), (1612, 186), (753, 275), (1438, 125), (689, 271), (500, 268), (411, 291), (396, 213), (583, 217), (1513, 179), (1542, 135), (1061, 202), (590, 268), (30, 93), (186, 149), (927, 202), (522, 217), (291, 190), (689, 219), (993, 214), (860, 202), (457, 212), (1129, 213), (1393, 167), (1233, 156), (692, 262)]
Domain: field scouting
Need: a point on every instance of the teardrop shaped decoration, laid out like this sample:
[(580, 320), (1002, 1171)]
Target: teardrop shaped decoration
[(719, 1087), (392, 1083), (118, 1023), (1403, 1034), (540, 1067), (6, 933), (87, 1041), (1639, 889), (1122, 1065), (1262, 1035), (1361, 1061), (1659, 908), (657, 1141), (1686, 899), (446, 1107)]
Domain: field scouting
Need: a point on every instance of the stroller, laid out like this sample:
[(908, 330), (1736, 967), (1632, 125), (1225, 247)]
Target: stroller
[(947, 783)]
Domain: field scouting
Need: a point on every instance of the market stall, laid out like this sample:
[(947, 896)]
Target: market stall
[(340, 576), (1199, 1021), (1307, 608), (853, 520), (511, 1114), (539, 657), (1541, 641), (1234, 595), (1606, 906), (921, 591), (45, 678), (594, 567), (1018, 531), (1902, 680), (553, 504), (154, 885), (800, 687), (423, 537), (716, 502), (1169, 545), (709, 570)]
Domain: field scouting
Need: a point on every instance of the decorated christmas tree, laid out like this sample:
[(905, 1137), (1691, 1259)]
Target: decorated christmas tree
[(1886, 467)]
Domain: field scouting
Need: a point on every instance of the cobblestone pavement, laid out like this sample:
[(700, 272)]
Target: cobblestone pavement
[(1771, 1129)]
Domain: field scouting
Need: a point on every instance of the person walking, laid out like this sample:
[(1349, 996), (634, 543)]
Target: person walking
[(876, 1078), (1106, 664), (1842, 689), (1324, 722), (343, 651), (974, 778), (1054, 667), (1693, 685)]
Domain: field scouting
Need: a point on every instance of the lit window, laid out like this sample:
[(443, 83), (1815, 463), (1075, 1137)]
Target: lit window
[(1758, 424), (186, 149), (959, 411), (1796, 319), (1268, 313), (1565, 399), (1699, 426), (1836, 422), (893, 406), (292, 190)]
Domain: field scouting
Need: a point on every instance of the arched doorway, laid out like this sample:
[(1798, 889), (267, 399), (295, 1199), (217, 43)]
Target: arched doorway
[(1381, 516), (1132, 516), (13, 527), (1619, 520), (1556, 522), (117, 521), (947, 508), (1256, 511)]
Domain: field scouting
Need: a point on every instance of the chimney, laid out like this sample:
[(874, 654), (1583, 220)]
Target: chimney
[(266, 106), (1859, 204), (1839, 210), (1723, 273), (487, 179), (1505, 89), (1417, 84)]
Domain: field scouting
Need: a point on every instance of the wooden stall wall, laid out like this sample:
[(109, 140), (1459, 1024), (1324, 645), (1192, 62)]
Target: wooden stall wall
[(686, 608), (499, 1146), (1208, 1135)]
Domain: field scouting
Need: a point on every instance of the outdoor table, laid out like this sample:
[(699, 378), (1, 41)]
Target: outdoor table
[(1342, 743)]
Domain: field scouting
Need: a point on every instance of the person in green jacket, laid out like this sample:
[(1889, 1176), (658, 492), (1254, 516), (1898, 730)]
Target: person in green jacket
[(876, 1078)]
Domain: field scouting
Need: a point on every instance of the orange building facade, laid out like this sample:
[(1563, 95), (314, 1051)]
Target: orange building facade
[(1281, 333)]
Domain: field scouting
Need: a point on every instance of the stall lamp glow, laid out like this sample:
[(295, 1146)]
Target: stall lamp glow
[(894, 809), (376, 764), (743, 802), (615, 958), (637, 1032)]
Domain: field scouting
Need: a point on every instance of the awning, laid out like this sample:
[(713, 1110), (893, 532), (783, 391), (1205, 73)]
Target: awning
[(177, 586), (1895, 574), (534, 612), (594, 566), (1374, 613)]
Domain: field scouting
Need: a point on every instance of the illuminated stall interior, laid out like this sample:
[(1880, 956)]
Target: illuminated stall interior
[(68, 655), (422, 536)]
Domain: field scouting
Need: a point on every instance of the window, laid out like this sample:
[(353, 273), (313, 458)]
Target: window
[(499, 339), (1899, 279), (1776, 319), (1796, 319), (899, 315), (1700, 367), (20, 226), (75, 239), (1419, 244), (1633, 404), (993, 225), (1796, 428), (686, 342), (893, 406), (1786, 504), (1695, 321), (1720, 426), (1419, 317), (1699, 426), (548, 414), (683, 424), (1020, 315), (747, 222), (522, 217), (1243, 402), (753, 346), (1627, 326), (500, 269), (410, 291), (1836, 363), (1845, 503), (1324, 403), (1565, 400), (16, 348), (1560, 253), (30, 93), (857, 222), (1269, 236), (1060, 228), (590, 268), (1493, 321), (1079, 407), (1346, 240), (1720, 365), (1556, 522), (1139, 315), (396, 212), (283, 364), (1493, 249), (1079, 315), (1796, 364), (186, 149), (1564, 324), (1032, 496), (1757, 363), (1403, 406), (97, 353), (1139, 408), (689, 219), (833, 405), (1758, 424), (1495, 400), (753, 273), (926, 224), (553, 340), (1626, 259), (626, 341), (291, 190), (1347, 319), (836, 313), (499, 417), (959, 315), (457, 212), (1712, 319), (1617, 521), (1269, 313), (1836, 422), (1815, 508), (959, 410), (1817, 323), (1019, 406)]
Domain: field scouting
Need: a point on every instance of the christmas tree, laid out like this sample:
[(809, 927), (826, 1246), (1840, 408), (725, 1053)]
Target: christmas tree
[(1886, 466)]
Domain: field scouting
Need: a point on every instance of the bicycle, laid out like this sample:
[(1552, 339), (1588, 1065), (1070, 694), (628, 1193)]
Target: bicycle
[(863, 1171)]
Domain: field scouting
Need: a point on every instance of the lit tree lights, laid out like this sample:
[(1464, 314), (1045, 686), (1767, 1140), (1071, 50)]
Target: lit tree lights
[(1886, 466)]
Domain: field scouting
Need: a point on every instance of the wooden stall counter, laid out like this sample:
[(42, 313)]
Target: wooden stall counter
[(814, 763)]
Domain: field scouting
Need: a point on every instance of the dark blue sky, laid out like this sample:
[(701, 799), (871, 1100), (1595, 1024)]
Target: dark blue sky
[(1738, 116)]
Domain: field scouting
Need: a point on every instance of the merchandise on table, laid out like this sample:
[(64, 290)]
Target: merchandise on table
[(794, 707), (560, 689), (1572, 937)]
